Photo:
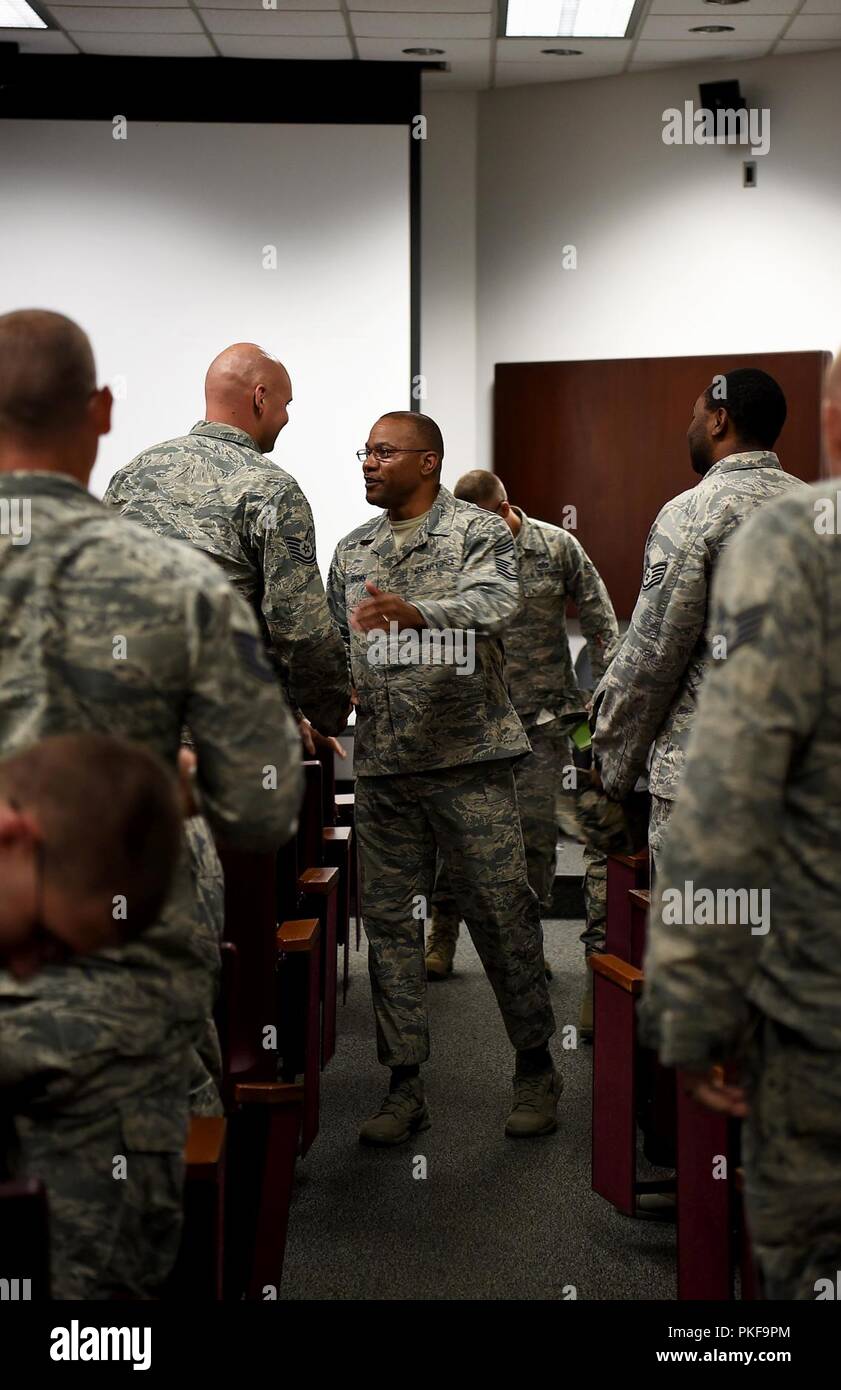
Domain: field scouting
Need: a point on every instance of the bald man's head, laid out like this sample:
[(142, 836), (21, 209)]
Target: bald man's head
[(832, 416), (49, 403), (247, 387)]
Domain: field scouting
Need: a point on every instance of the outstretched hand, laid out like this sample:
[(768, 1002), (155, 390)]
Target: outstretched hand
[(382, 609)]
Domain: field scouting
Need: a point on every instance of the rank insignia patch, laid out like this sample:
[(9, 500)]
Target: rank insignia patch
[(301, 549), (653, 574), (506, 563), (254, 656), (744, 628)]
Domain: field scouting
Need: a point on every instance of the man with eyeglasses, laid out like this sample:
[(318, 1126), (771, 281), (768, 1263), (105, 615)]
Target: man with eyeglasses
[(216, 489), (433, 754), (553, 568), (106, 628)]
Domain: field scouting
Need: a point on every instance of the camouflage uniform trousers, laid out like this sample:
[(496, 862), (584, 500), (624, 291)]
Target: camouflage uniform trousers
[(111, 1236), (471, 814), (545, 803), (658, 823), (99, 1112), (209, 888), (792, 1159)]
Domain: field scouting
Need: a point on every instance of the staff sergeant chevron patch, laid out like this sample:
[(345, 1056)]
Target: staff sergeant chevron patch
[(653, 574), (743, 628)]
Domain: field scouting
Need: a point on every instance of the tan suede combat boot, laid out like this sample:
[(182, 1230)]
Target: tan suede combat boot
[(441, 946), (403, 1112), (535, 1105)]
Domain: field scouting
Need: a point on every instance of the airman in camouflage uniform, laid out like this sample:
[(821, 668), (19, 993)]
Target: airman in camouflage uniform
[(646, 701), (553, 567), (759, 814), (106, 627), (432, 754), (215, 489)]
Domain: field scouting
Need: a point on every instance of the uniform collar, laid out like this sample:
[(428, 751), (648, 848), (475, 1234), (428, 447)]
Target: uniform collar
[(526, 538), (438, 523), (49, 484), (232, 434), (750, 458)]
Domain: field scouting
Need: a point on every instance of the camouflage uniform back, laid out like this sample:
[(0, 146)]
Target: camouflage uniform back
[(649, 693), (214, 489), (760, 810), (103, 627)]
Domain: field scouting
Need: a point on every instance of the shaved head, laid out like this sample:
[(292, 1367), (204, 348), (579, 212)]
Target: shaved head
[(51, 413), (247, 387), (482, 488), (47, 373)]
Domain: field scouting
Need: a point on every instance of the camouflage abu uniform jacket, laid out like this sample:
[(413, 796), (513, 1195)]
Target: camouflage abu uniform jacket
[(214, 489), (554, 567), (649, 692), (460, 572), (760, 804), (105, 627)]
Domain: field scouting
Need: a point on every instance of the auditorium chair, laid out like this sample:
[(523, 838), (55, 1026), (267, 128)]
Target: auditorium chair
[(346, 815), (630, 1085), (25, 1242), (339, 853), (319, 896), (198, 1272), (265, 1112)]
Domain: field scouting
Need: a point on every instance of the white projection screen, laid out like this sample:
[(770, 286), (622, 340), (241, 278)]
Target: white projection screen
[(157, 246)]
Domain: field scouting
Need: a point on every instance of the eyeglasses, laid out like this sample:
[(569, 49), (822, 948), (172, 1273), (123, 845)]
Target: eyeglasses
[(383, 452)]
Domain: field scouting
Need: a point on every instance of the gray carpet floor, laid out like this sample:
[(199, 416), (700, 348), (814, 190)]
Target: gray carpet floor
[(493, 1218)]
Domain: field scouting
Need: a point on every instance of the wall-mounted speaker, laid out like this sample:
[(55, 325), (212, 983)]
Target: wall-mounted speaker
[(721, 96)]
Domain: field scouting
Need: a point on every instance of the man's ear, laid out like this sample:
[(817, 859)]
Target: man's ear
[(720, 422), (259, 399), (17, 827), (429, 464), (100, 406)]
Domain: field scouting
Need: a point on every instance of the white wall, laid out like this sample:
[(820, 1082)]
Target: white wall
[(155, 245), (448, 274), (674, 255)]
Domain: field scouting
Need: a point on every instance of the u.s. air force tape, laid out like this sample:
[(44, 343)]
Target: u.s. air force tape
[(653, 574), (253, 656), (506, 564), (301, 549)]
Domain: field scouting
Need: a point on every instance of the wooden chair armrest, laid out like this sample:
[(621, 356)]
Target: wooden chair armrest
[(337, 834), (617, 971), (321, 882), (631, 861), (641, 896), (301, 935), (205, 1145), (268, 1093)]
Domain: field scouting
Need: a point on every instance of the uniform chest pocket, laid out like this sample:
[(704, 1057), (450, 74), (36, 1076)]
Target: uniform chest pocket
[(543, 583)]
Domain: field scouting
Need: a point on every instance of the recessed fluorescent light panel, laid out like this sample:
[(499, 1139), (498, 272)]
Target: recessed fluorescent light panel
[(568, 19), (16, 14)]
